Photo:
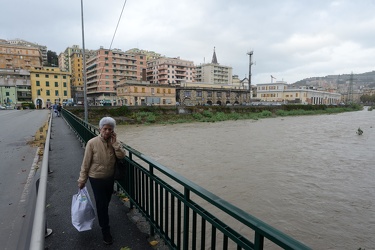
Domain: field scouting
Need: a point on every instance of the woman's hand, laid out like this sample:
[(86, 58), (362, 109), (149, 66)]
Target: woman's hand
[(113, 137), (81, 185)]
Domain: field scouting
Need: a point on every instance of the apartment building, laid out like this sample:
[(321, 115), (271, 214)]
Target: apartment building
[(141, 93), (149, 54), (14, 56), (170, 71), (76, 77), (15, 87), (106, 68), (65, 63), (214, 73), (42, 48), (49, 85)]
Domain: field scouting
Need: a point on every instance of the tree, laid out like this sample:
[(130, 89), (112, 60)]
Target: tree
[(367, 98), (52, 59)]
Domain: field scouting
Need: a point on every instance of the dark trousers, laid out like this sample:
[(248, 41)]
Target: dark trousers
[(103, 190)]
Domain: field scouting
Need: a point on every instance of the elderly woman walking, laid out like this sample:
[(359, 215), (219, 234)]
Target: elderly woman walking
[(98, 166)]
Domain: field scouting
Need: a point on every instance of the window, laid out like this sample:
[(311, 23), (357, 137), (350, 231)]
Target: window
[(64, 84), (65, 93), (48, 92), (199, 93), (55, 76), (218, 94), (36, 75), (56, 84), (143, 90), (187, 93), (56, 93), (158, 90), (47, 76), (209, 93), (38, 92), (135, 90), (64, 77), (152, 91), (37, 83), (47, 83)]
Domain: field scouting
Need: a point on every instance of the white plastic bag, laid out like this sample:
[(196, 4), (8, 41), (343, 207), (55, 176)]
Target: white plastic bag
[(83, 214)]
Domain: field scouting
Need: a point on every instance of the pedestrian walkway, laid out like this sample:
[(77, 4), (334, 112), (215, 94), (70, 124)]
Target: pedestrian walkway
[(65, 160)]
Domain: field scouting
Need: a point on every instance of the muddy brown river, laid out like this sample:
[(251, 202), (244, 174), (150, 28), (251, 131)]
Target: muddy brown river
[(312, 177)]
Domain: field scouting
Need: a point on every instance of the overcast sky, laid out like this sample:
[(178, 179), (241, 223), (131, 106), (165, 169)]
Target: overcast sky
[(291, 39)]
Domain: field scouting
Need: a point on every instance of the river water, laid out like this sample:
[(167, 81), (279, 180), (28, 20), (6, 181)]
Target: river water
[(312, 177)]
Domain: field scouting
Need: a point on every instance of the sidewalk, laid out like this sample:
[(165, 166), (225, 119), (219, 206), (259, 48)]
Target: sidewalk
[(65, 160)]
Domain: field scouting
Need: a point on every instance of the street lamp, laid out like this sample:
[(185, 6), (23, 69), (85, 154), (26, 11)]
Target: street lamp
[(250, 63), (84, 67)]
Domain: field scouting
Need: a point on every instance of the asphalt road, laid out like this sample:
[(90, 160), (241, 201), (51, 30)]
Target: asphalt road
[(17, 182)]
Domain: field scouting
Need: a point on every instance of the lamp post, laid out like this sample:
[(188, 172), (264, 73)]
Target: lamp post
[(84, 67), (250, 63)]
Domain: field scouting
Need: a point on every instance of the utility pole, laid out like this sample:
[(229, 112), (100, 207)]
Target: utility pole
[(84, 67), (350, 90), (250, 64)]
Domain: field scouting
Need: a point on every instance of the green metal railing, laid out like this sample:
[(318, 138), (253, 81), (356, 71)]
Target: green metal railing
[(185, 215)]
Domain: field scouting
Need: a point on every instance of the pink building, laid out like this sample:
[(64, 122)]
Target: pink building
[(170, 71), (106, 68)]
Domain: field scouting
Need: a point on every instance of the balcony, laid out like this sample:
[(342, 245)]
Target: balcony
[(180, 73), (23, 96), (162, 78), (162, 67)]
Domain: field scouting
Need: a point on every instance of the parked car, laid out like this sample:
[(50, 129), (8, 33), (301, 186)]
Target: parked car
[(2, 107)]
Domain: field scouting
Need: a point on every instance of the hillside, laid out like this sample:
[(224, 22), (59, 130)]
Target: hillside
[(366, 80)]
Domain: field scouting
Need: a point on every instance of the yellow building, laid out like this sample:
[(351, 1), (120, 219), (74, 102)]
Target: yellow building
[(136, 93), (49, 85), (77, 82)]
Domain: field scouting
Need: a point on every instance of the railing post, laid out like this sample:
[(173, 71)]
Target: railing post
[(131, 180), (258, 241), (152, 205), (186, 219)]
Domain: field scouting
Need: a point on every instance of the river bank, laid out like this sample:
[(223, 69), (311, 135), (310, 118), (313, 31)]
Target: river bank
[(174, 115)]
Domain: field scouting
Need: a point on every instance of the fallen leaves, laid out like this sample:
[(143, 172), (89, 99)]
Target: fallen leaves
[(154, 243)]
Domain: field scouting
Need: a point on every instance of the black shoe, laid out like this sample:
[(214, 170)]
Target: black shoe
[(107, 238)]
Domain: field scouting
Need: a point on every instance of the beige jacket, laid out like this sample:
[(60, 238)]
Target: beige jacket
[(99, 159)]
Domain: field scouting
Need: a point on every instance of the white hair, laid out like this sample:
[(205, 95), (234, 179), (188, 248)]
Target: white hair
[(107, 121)]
